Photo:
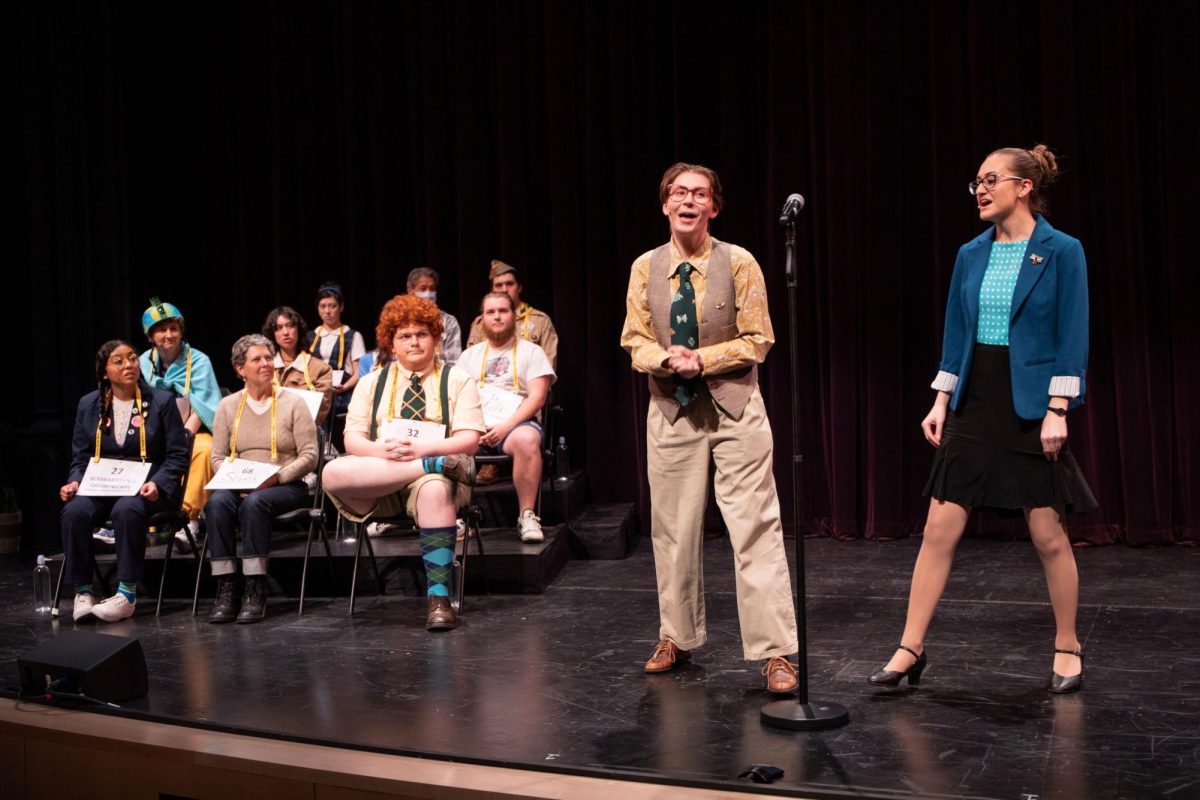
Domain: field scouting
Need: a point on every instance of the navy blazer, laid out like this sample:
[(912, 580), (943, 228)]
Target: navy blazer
[(166, 439), (1048, 321)]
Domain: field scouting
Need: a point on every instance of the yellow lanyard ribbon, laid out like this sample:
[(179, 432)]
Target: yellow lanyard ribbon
[(341, 347), (137, 408), (483, 366), (238, 421), (187, 374), (523, 315), (391, 409)]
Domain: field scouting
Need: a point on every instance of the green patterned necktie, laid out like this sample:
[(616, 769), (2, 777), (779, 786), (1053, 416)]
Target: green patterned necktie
[(413, 403), (684, 328)]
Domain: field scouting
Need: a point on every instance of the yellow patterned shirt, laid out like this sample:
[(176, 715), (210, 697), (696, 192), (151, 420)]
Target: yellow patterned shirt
[(755, 334)]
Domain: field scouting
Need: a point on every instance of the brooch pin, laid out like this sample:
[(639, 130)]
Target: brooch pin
[(720, 306), (1035, 258)]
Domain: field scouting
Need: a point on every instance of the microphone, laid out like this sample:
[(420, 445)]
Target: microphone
[(791, 208)]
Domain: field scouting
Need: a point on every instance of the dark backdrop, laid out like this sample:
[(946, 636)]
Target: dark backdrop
[(229, 157)]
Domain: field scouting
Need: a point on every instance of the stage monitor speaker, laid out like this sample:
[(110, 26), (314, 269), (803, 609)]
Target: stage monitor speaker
[(108, 668)]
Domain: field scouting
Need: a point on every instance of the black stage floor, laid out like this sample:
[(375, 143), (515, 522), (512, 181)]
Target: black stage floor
[(554, 681)]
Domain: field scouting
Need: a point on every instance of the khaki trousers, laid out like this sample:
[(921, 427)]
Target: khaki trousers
[(677, 463)]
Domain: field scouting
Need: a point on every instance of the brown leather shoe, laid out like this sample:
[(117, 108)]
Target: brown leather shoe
[(488, 473), (781, 676), (666, 656), (460, 469), (440, 616)]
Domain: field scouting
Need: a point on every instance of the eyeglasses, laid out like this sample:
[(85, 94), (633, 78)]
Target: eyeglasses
[(121, 361), (989, 182), (700, 196)]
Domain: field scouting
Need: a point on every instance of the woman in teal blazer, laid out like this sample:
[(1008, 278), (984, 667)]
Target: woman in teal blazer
[(1014, 354)]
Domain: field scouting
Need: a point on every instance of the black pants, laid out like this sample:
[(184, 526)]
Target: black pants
[(129, 516)]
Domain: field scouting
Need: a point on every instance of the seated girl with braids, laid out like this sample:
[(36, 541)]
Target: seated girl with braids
[(175, 366), (397, 467), (126, 420)]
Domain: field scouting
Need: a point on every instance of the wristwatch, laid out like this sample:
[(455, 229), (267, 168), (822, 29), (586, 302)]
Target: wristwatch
[(1062, 412)]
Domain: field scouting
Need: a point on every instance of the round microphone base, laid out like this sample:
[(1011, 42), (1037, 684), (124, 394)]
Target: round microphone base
[(812, 716)]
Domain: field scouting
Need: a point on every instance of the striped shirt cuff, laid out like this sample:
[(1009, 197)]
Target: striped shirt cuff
[(1064, 386), (945, 382)]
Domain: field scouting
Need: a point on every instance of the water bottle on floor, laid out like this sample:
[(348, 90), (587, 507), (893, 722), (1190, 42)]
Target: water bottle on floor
[(562, 465), (41, 587)]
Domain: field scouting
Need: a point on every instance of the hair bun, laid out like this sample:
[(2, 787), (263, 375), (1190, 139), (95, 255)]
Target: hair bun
[(1047, 163)]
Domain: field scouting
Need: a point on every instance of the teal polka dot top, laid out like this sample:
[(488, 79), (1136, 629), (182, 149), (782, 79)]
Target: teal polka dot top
[(995, 295)]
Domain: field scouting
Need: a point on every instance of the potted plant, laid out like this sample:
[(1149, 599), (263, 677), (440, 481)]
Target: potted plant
[(16, 449), (10, 521)]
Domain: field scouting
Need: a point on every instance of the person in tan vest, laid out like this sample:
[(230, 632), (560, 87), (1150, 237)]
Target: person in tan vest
[(697, 324)]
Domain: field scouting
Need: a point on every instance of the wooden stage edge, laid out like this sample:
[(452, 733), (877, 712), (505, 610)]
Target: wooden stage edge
[(52, 752)]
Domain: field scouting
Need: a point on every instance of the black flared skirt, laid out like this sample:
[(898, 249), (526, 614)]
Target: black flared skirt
[(991, 458)]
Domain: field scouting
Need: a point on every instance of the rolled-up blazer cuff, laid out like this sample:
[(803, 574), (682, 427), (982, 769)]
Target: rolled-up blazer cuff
[(1064, 386), (945, 382)]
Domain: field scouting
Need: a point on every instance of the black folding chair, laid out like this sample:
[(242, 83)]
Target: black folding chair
[(313, 515), (550, 414), (471, 516)]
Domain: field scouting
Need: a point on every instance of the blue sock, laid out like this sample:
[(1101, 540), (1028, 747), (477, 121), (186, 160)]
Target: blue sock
[(129, 590), (437, 551), (84, 588), (433, 464)]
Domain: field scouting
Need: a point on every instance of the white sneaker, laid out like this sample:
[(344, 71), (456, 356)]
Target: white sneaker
[(182, 543), (105, 535), (530, 526), (84, 603), (377, 529), (114, 608)]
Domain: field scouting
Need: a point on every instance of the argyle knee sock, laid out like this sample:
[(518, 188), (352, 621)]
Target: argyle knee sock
[(437, 551)]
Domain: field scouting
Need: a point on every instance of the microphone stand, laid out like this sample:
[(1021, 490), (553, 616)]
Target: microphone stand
[(804, 714)]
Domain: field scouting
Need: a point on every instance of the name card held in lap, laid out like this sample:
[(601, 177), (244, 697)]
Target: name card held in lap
[(498, 404), (413, 430), (112, 477), (241, 474)]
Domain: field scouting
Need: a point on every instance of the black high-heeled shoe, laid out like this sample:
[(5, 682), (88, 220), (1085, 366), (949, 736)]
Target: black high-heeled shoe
[(1071, 683), (891, 677)]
